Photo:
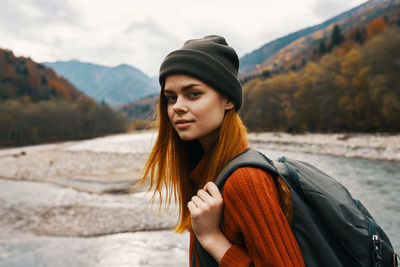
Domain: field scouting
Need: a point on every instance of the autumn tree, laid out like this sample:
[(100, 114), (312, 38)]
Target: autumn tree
[(357, 91)]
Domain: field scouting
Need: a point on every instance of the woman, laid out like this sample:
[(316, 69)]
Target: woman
[(199, 132)]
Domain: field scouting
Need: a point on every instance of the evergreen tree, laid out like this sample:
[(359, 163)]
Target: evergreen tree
[(322, 48), (358, 37), (337, 36)]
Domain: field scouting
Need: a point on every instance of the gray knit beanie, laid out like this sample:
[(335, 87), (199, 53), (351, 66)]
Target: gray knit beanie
[(209, 59)]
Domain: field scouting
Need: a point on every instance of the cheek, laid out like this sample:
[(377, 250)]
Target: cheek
[(170, 113), (212, 117), (218, 117)]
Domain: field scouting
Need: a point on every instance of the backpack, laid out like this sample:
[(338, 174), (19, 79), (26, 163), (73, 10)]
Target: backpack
[(331, 228)]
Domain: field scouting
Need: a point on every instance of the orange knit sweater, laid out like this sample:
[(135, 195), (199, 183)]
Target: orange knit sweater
[(254, 223)]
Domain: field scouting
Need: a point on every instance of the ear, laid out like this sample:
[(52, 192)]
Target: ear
[(229, 104)]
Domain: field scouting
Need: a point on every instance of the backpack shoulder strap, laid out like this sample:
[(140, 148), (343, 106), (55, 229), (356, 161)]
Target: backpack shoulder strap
[(249, 158)]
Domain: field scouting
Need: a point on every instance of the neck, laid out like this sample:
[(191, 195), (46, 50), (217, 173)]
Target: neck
[(208, 142)]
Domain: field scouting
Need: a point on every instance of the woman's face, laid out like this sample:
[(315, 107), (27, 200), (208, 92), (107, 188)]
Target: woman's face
[(195, 109)]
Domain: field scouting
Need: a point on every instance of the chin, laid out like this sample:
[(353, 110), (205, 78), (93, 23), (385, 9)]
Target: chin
[(186, 137)]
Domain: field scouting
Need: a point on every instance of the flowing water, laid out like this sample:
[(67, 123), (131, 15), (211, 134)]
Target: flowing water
[(375, 183)]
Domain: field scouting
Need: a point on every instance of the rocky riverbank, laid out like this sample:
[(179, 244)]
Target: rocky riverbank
[(80, 188), (368, 146), (70, 190)]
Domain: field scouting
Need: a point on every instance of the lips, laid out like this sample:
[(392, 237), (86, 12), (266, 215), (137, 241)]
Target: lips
[(183, 124)]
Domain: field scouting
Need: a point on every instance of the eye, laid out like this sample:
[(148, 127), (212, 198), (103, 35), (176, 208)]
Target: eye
[(194, 94), (170, 99)]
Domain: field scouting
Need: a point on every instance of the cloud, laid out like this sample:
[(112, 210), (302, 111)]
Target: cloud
[(56, 11), (142, 33), (145, 43), (142, 44), (30, 18), (326, 9)]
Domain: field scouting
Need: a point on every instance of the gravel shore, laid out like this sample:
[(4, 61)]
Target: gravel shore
[(79, 188), (368, 146)]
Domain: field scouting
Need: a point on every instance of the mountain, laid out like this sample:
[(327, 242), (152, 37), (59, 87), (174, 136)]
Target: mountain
[(273, 55), (354, 87), (113, 85), (38, 106), (22, 77), (142, 109)]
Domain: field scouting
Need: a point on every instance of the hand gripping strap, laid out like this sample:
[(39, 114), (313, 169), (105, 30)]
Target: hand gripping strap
[(249, 158)]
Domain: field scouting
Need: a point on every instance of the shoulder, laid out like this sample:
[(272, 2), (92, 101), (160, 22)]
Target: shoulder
[(248, 180)]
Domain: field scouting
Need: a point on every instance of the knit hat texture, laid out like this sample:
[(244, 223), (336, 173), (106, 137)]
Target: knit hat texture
[(209, 59)]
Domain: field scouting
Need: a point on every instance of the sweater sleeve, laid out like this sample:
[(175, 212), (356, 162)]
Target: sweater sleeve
[(251, 203)]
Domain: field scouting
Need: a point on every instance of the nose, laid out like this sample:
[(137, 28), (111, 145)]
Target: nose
[(180, 105)]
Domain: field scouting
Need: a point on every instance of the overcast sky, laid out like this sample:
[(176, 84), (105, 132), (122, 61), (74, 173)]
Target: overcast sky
[(142, 32)]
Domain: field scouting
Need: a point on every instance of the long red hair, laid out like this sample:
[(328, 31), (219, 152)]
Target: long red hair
[(172, 160)]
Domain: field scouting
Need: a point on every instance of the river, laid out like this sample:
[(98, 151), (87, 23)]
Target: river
[(375, 183)]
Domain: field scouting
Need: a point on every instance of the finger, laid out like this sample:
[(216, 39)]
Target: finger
[(192, 208), (205, 196), (213, 190), (198, 202)]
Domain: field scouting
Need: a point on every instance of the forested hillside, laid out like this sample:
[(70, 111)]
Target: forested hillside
[(295, 49), (354, 87), (38, 106), (140, 113)]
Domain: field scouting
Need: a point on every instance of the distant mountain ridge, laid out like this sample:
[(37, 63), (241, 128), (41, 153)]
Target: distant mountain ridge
[(114, 85)]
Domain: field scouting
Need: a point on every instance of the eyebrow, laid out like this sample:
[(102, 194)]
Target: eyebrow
[(185, 88)]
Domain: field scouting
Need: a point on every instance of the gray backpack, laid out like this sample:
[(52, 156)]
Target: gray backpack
[(331, 228)]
